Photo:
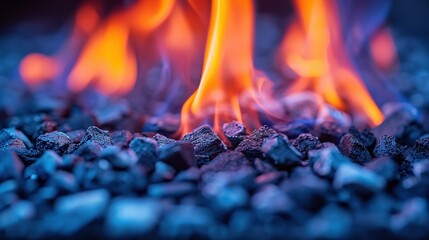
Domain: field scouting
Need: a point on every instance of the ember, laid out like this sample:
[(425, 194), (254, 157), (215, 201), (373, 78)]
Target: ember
[(214, 119)]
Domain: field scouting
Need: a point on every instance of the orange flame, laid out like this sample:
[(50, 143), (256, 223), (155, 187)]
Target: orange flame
[(228, 69), (313, 49)]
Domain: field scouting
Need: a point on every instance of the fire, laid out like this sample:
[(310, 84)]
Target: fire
[(228, 71), (111, 53), (313, 48)]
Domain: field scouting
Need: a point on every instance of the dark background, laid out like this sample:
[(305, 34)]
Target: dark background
[(410, 16)]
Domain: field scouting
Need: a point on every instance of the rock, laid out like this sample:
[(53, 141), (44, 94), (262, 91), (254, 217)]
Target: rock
[(96, 135), (186, 221), (162, 140), (76, 135), (412, 217), (325, 226), (263, 166), (192, 174), (16, 214), (12, 133), (171, 189), (384, 167), (351, 146), (56, 141), (294, 129), (119, 159), (421, 169), (227, 161), (146, 150), (269, 178), (64, 181), (132, 217), (271, 199), (354, 176), (252, 144), (306, 142), (15, 144), (205, 141), (121, 138), (89, 151), (366, 137), (421, 148), (163, 172), (326, 161), (73, 212), (387, 146), (11, 165), (280, 152), (235, 132), (44, 167), (179, 155), (330, 132), (111, 112)]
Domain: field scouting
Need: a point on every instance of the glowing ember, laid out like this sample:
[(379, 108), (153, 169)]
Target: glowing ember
[(313, 49)]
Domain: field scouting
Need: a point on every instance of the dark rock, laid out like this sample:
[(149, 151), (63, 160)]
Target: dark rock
[(89, 150), (69, 161), (73, 212), (111, 112), (269, 178), (132, 217), (179, 155), (46, 126), (384, 167), (326, 161), (402, 124), (421, 169), (306, 142), (205, 141), (96, 135), (76, 135), (186, 221), (64, 181), (146, 150), (330, 132), (227, 161), (421, 148), (294, 129), (412, 218), (11, 165), (119, 159), (44, 167), (366, 137), (235, 132), (263, 166), (351, 146), (306, 190), (271, 199), (12, 133), (171, 189), (121, 138), (163, 172), (359, 178), (387, 146), (56, 141), (280, 152), (19, 212), (162, 140), (324, 225), (192, 174), (15, 144), (252, 144)]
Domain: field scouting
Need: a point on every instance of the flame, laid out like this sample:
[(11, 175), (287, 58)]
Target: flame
[(313, 48), (37, 68), (383, 50), (228, 71)]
